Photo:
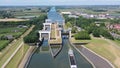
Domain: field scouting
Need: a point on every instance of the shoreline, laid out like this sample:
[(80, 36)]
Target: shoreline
[(25, 61)]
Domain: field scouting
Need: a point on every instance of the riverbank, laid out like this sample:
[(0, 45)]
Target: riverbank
[(82, 55), (26, 57), (103, 48)]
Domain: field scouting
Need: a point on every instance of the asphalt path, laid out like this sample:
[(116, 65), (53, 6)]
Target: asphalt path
[(97, 60)]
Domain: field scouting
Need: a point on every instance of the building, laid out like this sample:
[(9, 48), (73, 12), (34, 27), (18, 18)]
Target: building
[(50, 31), (67, 13)]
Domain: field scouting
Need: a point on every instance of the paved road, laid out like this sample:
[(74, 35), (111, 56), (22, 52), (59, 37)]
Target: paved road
[(98, 61)]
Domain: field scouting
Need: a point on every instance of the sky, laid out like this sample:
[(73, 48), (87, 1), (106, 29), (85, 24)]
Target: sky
[(59, 2)]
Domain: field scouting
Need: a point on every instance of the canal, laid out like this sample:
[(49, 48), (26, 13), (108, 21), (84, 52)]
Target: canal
[(44, 59)]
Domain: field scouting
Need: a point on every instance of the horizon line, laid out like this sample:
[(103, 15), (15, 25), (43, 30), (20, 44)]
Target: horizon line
[(65, 5)]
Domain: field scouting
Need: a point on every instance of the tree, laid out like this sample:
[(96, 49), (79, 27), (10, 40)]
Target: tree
[(68, 24), (83, 35), (33, 37), (74, 30), (106, 34), (96, 32)]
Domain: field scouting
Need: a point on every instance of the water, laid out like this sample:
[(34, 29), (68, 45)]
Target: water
[(55, 16), (44, 59), (45, 42)]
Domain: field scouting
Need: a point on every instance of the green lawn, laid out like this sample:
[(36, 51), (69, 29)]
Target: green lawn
[(6, 53), (18, 57), (79, 41), (101, 47), (105, 49), (117, 42)]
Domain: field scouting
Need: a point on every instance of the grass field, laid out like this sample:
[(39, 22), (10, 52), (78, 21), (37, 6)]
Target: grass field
[(79, 41), (17, 58), (117, 42), (6, 53)]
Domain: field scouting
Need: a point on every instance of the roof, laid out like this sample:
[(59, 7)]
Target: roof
[(54, 16), (9, 37)]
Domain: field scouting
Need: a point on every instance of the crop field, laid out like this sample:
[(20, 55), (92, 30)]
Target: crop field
[(11, 31), (93, 10), (12, 19), (24, 12), (7, 31)]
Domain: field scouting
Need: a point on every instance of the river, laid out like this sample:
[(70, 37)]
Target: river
[(44, 59)]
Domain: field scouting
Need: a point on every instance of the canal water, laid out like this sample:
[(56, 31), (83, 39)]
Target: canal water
[(44, 59)]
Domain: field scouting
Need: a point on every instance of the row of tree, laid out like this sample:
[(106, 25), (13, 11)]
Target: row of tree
[(33, 36), (6, 14), (13, 24)]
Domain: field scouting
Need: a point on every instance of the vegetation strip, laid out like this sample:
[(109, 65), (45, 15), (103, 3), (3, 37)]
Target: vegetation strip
[(26, 57), (3, 66)]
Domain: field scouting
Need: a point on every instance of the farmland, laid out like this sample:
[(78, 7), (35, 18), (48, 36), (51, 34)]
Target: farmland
[(13, 31)]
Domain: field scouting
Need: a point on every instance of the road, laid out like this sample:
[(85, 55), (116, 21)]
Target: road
[(96, 59)]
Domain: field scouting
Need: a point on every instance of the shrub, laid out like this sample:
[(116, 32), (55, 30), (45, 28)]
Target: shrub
[(83, 35), (74, 30)]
